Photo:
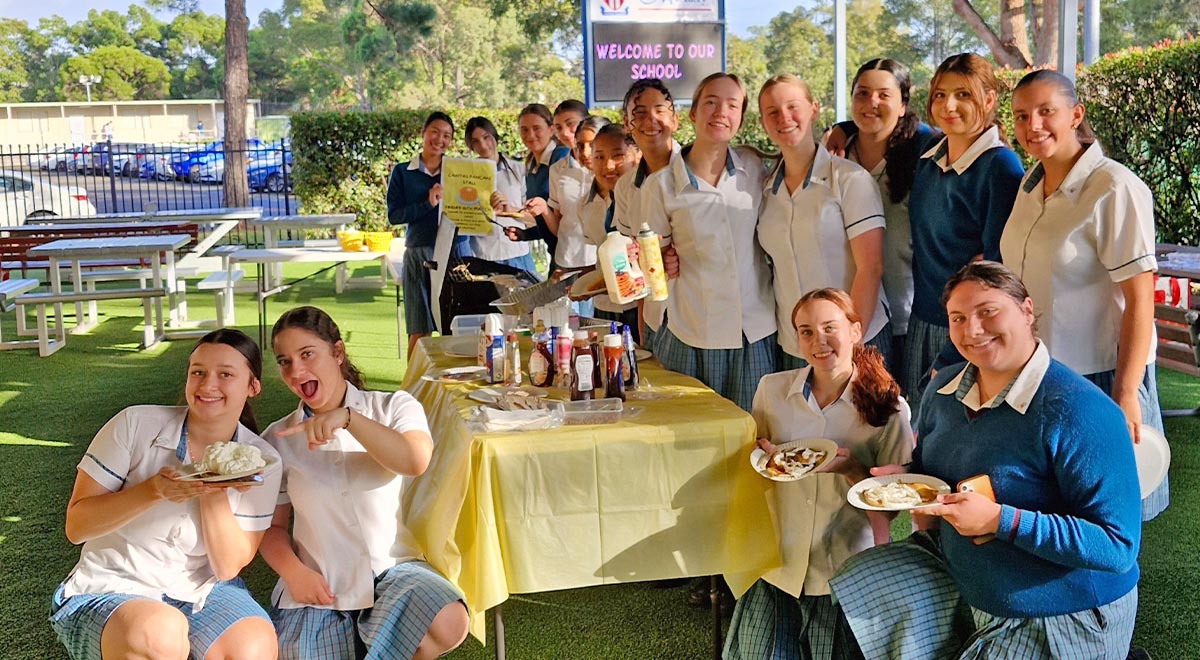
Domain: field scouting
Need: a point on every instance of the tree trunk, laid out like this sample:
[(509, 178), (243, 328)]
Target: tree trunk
[(1045, 35), (1006, 49), (236, 86)]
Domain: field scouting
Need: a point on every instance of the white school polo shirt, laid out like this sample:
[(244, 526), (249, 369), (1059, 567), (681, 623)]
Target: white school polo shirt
[(724, 286), (1072, 251), (897, 250), (510, 182), (630, 192), (569, 181), (162, 551), (807, 233), (347, 521), (818, 529)]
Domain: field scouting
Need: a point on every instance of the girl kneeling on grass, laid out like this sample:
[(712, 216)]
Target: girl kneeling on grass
[(846, 395), (351, 574), (157, 576)]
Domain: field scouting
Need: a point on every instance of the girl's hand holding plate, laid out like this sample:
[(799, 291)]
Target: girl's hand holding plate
[(168, 487)]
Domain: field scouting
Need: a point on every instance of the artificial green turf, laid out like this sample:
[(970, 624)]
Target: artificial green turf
[(50, 408)]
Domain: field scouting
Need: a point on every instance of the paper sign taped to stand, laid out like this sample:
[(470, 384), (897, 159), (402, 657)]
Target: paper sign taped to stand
[(467, 185)]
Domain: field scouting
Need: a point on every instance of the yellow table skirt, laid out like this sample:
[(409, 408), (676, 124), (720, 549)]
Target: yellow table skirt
[(667, 493)]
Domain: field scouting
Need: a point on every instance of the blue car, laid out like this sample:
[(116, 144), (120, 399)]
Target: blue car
[(270, 175), (187, 166)]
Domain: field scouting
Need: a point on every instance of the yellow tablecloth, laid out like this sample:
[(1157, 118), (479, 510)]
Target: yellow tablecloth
[(667, 493)]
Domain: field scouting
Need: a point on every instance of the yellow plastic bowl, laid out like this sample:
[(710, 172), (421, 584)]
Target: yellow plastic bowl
[(351, 241), (378, 241)]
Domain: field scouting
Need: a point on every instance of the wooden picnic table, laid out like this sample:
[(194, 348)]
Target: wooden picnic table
[(81, 229), (273, 226), (191, 215)]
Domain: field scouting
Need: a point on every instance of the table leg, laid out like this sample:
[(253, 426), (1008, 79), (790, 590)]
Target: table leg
[(274, 271), (174, 297), (229, 287), (77, 284), (498, 618), (156, 279), (56, 288), (261, 272)]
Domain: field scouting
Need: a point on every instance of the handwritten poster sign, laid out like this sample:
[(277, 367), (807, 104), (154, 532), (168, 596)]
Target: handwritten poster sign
[(681, 54), (467, 185)]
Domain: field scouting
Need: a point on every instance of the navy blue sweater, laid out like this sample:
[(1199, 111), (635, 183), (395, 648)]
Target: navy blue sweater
[(1070, 522), (955, 217), (408, 204), (537, 184)]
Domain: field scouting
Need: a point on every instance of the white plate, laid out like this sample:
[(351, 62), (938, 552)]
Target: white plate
[(585, 286), (456, 374), (493, 394), (1153, 457), (854, 495), (642, 354), (192, 472), (759, 458)]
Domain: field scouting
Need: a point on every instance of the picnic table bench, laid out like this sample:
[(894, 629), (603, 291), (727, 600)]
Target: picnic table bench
[(15, 242)]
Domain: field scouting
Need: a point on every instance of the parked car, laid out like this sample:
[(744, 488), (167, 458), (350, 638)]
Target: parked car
[(271, 175), (188, 167), (25, 195), (54, 158), (157, 161)]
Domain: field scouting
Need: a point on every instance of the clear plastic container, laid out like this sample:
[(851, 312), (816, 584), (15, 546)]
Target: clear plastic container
[(466, 324), (594, 411)]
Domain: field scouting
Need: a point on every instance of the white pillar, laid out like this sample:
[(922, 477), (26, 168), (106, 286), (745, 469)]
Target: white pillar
[(839, 59), (1091, 31), (1068, 36)]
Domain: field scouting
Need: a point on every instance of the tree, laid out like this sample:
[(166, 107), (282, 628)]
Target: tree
[(933, 32), (126, 75), (14, 79), (744, 58), (236, 86)]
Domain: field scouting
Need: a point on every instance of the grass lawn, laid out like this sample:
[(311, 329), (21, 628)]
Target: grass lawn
[(50, 408)]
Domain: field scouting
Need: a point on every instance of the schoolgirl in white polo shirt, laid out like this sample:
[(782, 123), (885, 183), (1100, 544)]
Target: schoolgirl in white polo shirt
[(157, 576), (821, 220), (481, 138), (350, 571), (846, 395), (1081, 237), (720, 319)]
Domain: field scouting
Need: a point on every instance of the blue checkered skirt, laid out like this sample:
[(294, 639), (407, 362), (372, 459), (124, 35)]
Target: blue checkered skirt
[(922, 346), (769, 623), (731, 372), (1100, 633), (79, 620), (901, 602), (418, 315), (407, 598), (1157, 501)]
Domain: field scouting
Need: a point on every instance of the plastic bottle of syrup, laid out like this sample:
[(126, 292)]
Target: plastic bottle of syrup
[(582, 368), (615, 380), (512, 360), (622, 275), (650, 258), (541, 358), (597, 360), (562, 357)]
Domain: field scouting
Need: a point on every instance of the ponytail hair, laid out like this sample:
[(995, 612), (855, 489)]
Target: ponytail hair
[(875, 394), (316, 321), (242, 343)]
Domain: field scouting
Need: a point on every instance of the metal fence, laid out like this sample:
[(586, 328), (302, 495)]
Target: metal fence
[(119, 177)]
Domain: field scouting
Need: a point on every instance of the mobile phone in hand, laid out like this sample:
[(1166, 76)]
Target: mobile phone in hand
[(981, 484)]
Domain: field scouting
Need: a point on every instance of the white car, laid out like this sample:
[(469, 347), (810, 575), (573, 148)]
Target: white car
[(59, 159), (24, 195)]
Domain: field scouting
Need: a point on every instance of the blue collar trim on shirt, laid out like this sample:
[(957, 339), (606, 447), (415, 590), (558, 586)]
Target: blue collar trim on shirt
[(1035, 177), (730, 165), (181, 450), (640, 174)]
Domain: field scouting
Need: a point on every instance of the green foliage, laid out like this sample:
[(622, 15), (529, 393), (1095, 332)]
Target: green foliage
[(1143, 105), (126, 74)]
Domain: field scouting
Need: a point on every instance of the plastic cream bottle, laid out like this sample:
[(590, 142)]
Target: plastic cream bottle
[(622, 275)]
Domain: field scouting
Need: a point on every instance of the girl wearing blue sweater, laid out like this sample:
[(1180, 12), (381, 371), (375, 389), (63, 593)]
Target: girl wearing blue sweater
[(1049, 568), (962, 193)]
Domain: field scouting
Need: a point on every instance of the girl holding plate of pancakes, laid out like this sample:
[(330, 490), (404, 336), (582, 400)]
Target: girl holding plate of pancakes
[(1048, 562), (847, 396), (157, 575)]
